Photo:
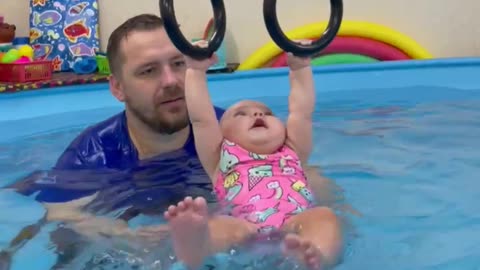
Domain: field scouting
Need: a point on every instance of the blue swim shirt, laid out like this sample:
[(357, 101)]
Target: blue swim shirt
[(103, 159)]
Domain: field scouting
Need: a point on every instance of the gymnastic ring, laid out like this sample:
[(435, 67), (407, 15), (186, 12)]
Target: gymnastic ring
[(279, 37), (167, 13)]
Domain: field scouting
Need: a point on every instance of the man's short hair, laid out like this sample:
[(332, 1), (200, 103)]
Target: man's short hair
[(142, 22)]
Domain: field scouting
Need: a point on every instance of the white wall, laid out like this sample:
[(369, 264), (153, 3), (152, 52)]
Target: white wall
[(446, 28)]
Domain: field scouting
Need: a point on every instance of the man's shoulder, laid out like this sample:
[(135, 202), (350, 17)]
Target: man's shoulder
[(100, 131), (219, 112), (114, 127), (93, 145)]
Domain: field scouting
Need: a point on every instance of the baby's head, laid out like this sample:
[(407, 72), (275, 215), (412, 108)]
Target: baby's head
[(253, 126)]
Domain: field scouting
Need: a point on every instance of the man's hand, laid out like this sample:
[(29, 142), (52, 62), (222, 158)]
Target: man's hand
[(100, 226), (152, 234)]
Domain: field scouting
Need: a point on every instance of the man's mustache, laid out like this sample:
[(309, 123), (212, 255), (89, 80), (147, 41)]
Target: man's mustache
[(169, 94)]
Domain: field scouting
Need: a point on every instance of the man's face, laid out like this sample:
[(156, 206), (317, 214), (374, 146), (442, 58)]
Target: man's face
[(152, 81)]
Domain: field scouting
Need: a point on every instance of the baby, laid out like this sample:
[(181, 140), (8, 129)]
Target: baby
[(255, 163)]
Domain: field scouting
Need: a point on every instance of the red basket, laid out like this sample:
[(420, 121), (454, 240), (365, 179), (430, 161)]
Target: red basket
[(26, 72)]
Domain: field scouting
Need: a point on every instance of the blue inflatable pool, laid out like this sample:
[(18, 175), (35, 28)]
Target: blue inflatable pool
[(399, 139)]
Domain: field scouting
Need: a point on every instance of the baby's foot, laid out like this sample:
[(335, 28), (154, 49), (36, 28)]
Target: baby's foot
[(305, 251), (188, 222)]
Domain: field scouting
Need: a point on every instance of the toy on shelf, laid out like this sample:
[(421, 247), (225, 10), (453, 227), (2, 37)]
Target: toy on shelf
[(63, 31), (10, 56), (7, 34), (102, 63), (84, 65), (23, 54), (19, 66), (26, 51)]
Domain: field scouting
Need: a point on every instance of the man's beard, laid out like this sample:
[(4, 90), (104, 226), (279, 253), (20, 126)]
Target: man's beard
[(162, 125)]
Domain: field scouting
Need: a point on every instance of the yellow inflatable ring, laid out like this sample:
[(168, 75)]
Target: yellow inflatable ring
[(348, 28)]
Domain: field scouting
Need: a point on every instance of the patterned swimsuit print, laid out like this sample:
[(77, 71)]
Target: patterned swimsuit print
[(263, 189)]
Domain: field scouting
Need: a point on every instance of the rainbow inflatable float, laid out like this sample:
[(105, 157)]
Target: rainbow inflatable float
[(356, 42)]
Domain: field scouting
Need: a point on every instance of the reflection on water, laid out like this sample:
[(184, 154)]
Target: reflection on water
[(408, 162)]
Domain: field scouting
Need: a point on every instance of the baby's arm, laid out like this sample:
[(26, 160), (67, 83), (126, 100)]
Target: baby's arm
[(206, 129), (301, 106)]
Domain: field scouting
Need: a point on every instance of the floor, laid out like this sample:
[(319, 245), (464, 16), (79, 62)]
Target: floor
[(70, 78), (58, 79)]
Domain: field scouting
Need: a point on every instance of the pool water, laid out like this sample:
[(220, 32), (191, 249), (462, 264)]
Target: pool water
[(407, 160)]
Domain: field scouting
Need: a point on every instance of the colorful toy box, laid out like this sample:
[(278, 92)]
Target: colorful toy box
[(64, 30)]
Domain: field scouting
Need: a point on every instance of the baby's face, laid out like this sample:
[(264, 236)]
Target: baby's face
[(252, 125)]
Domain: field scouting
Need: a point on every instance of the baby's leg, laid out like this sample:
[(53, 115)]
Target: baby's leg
[(318, 238), (196, 237), (227, 231)]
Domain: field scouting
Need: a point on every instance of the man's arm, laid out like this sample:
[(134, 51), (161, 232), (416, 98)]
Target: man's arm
[(85, 152), (301, 106), (85, 223), (70, 159)]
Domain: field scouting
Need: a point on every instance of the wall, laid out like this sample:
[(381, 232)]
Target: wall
[(449, 31)]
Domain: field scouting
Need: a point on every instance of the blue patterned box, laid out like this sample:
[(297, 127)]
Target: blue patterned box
[(61, 30)]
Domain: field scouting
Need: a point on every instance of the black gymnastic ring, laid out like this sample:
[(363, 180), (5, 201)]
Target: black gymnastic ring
[(167, 12), (276, 33)]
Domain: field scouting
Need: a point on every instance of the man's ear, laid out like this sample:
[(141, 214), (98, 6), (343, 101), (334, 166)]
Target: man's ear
[(116, 88)]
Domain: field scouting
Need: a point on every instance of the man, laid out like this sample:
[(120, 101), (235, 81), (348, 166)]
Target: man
[(142, 158)]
